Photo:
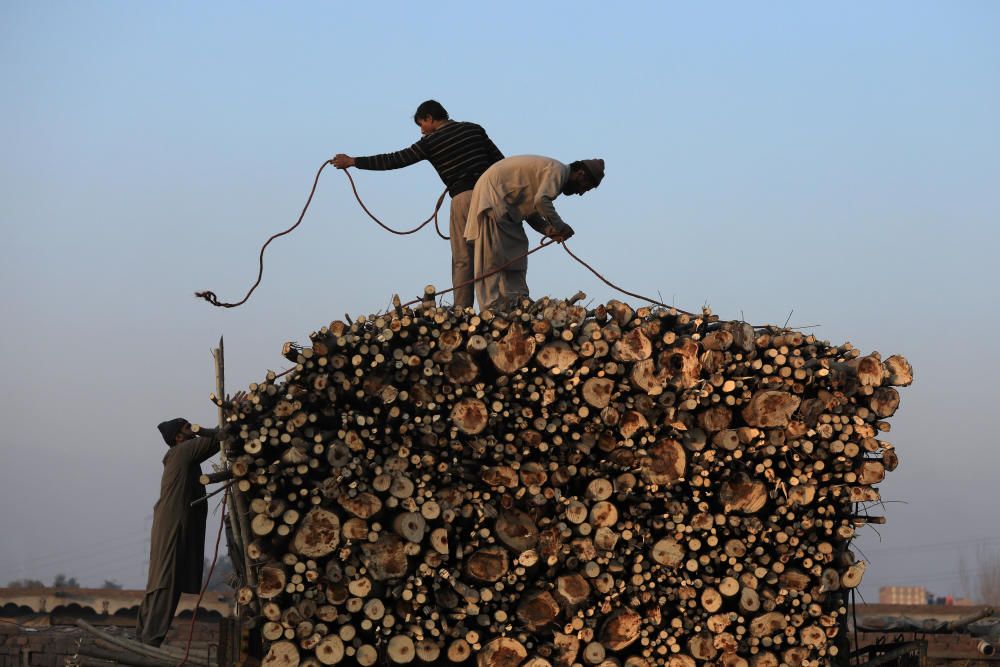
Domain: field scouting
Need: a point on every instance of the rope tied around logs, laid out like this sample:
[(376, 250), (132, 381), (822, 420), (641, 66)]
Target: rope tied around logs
[(213, 299)]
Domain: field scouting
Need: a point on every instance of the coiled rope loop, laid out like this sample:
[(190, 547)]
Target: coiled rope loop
[(213, 299)]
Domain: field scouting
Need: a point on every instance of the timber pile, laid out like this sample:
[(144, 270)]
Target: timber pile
[(557, 486)]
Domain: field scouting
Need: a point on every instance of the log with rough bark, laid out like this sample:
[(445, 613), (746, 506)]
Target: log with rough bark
[(560, 486)]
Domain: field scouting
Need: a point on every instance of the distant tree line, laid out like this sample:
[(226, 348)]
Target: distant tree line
[(60, 581), (220, 580)]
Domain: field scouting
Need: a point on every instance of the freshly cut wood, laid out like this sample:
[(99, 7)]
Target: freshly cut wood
[(459, 651), (500, 476), (488, 564), (262, 525), (870, 472), (411, 526), (795, 656), (731, 659), (711, 599), (682, 363), (428, 651), (517, 530), (330, 650), (558, 485), (364, 505), (462, 369), (502, 652), (470, 416), (648, 378), (558, 354), (852, 577), (812, 635), (271, 581), (537, 610), (718, 340), (729, 586), (885, 401), (281, 654), (764, 659), (770, 408), (597, 392), (899, 372), (572, 590), (633, 346), (668, 552), (513, 351), (742, 494), (621, 628), (401, 650), (681, 660), (318, 535), (385, 558), (716, 418), (870, 371), (701, 647), (749, 600), (603, 514), (567, 649), (768, 624), (665, 463)]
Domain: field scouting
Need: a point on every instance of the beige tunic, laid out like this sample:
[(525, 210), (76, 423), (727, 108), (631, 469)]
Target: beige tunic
[(512, 191), (461, 250)]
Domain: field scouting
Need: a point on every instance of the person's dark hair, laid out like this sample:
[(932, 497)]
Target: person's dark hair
[(430, 108)]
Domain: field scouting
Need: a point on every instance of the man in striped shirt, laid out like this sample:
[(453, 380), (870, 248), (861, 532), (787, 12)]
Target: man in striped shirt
[(460, 152)]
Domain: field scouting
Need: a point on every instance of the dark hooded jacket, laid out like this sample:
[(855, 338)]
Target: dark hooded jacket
[(177, 551)]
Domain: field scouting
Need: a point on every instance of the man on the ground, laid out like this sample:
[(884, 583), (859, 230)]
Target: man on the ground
[(177, 549)]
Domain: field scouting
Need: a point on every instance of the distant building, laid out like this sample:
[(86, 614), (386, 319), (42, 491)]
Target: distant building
[(67, 604), (902, 595)]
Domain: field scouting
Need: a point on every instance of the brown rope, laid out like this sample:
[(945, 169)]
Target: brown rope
[(208, 579), (212, 299), (544, 244), (434, 215), (611, 284), (210, 296)]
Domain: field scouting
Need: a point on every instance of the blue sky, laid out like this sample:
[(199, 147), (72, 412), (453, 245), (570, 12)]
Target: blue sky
[(837, 162)]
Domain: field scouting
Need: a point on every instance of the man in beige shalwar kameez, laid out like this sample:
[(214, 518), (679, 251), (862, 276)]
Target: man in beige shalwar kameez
[(515, 190)]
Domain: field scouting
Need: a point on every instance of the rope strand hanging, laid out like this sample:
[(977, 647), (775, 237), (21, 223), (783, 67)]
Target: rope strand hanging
[(434, 215), (612, 285), (213, 299)]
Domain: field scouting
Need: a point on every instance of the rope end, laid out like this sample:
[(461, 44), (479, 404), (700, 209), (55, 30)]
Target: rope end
[(208, 296)]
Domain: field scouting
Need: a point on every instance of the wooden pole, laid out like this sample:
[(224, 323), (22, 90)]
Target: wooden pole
[(236, 541)]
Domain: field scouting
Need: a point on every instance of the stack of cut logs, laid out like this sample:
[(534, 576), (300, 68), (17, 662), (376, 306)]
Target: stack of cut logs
[(559, 485)]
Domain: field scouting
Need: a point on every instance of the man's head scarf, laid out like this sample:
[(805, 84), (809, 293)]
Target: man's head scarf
[(169, 430), (595, 168)]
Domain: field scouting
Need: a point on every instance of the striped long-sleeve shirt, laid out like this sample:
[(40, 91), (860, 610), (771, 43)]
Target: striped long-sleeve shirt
[(460, 152)]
